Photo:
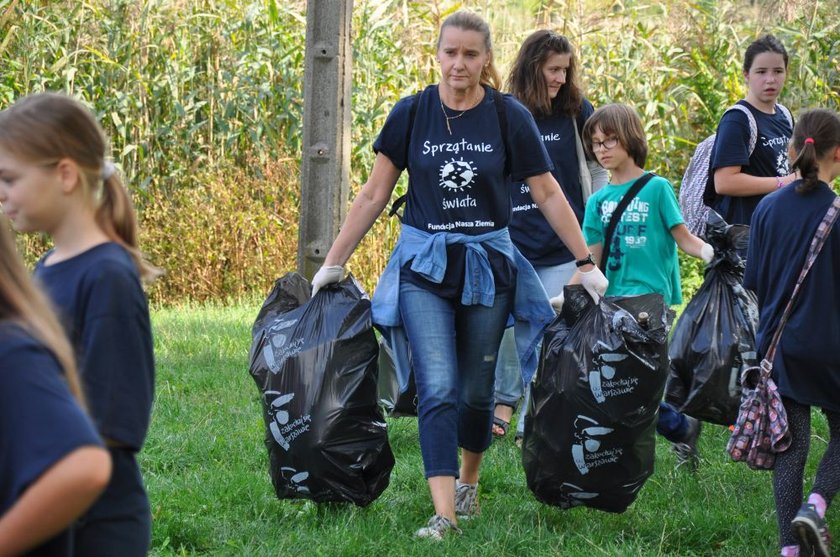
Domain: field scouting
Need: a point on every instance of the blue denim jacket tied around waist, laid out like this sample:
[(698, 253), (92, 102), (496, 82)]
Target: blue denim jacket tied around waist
[(531, 309)]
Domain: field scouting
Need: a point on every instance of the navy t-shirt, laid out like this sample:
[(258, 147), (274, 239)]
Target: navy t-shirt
[(807, 364), (528, 228), (457, 182), (105, 313), (732, 148), (40, 422)]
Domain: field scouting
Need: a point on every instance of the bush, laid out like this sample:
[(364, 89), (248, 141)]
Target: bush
[(231, 232)]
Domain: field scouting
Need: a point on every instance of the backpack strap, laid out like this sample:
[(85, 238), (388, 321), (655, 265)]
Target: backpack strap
[(709, 194), (616, 216), (498, 101), (750, 121), (412, 114), (787, 114)]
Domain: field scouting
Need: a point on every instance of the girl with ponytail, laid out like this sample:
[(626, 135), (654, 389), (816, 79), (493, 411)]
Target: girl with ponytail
[(52, 462), (56, 179), (806, 366)]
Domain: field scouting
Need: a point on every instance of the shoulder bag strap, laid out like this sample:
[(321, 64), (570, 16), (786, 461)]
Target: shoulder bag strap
[(583, 169), (817, 242), (616, 216)]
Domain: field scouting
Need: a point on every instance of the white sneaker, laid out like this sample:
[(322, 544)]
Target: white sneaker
[(466, 500), (438, 527)]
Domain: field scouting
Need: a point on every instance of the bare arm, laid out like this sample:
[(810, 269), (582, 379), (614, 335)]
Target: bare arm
[(369, 203), (54, 500), (687, 241), (729, 180), (546, 193)]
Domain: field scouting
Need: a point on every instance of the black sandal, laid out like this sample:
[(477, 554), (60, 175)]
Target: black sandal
[(502, 425)]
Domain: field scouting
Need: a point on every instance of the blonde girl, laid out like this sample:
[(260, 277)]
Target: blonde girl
[(52, 463), (58, 181)]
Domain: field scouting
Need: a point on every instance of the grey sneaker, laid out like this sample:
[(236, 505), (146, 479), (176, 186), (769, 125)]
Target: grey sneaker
[(438, 527), (466, 500), (812, 532), (686, 450)]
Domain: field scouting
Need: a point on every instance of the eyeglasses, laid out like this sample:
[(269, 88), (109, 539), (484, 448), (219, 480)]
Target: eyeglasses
[(607, 144)]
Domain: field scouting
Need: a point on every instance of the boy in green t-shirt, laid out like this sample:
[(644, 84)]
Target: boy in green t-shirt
[(643, 249)]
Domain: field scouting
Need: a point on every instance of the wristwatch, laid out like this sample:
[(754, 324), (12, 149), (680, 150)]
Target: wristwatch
[(585, 261)]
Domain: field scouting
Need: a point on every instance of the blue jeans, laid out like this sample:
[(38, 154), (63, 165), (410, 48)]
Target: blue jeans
[(672, 425), (508, 386), (453, 349)]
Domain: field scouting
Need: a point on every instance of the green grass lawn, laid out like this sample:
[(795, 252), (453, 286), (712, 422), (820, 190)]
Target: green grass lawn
[(206, 469)]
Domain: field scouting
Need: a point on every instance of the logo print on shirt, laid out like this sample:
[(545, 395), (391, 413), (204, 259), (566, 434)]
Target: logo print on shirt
[(456, 175)]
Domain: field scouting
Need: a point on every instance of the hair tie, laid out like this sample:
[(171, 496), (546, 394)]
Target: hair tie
[(809, 140), (108, 170)]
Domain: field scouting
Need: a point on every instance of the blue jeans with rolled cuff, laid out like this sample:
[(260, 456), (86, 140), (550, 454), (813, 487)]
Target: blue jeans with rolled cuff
[(454, 349)]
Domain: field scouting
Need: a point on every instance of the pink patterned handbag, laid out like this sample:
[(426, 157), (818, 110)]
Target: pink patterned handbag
[(761, 429)]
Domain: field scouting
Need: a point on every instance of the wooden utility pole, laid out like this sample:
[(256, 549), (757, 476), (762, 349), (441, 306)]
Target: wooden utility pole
[(325, 164)]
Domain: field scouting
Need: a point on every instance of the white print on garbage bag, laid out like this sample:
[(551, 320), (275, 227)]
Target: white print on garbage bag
[(588, 437), (575, 495), (283, 431), (279, 347), (745, 359), (750, 310), (601, 381), (295, 479)]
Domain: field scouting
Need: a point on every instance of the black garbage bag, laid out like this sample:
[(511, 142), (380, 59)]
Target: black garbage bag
[(714, 338), (315, 364), (591, 423), (395, 403)]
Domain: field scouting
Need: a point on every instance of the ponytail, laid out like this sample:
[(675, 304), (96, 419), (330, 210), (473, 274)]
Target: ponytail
[(44, 128), (116, 217), (817, 132), (806, 164)]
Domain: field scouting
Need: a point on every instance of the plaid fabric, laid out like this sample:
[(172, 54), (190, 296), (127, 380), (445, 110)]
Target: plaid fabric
[(761, 429)]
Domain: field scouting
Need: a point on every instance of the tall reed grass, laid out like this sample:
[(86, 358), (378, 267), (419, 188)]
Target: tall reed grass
[(203, 100)]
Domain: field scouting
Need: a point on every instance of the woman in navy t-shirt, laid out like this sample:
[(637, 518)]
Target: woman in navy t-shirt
[(55, 150), (544, 77), (52, 464), (742, 177), (806, 366), (455, 277)]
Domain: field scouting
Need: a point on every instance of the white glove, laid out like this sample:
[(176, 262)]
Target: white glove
[(707, 253), (557, 303), (594, 282), (326, 275)]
